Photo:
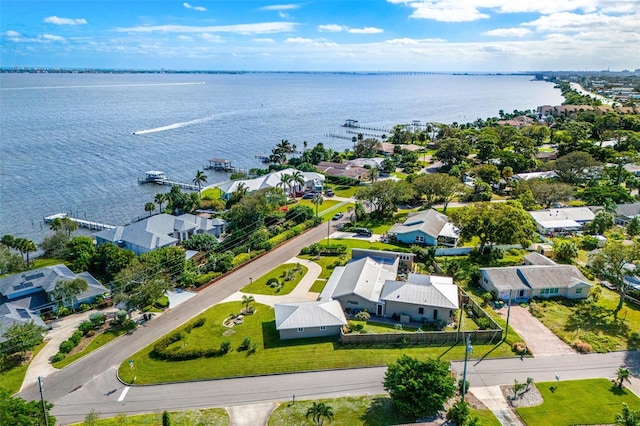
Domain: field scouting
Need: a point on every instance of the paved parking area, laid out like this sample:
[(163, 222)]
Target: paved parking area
[(540, 340)]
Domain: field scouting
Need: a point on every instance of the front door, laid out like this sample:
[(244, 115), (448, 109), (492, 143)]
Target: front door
[(521, 293), (380, 310)]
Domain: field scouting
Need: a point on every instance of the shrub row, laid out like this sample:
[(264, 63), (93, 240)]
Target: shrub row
[(205, 278), (161, 350)]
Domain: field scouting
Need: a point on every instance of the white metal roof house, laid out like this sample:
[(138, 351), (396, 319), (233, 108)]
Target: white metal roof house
[(309, 319), (568, 219), (162, 230), (24, 296), (313, 181), (538, 277), (427, 227)]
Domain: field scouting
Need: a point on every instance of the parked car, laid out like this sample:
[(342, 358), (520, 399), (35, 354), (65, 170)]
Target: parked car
[(363, 231), (337, 216), (308, 196), (329, 192)]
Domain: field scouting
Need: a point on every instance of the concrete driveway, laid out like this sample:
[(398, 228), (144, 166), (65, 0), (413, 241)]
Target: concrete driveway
[(539, 339)]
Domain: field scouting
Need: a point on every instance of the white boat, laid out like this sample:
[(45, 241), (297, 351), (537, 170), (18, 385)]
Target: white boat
[(155, 176)]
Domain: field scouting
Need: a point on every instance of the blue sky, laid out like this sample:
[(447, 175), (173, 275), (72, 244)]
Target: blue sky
[(323, 35)]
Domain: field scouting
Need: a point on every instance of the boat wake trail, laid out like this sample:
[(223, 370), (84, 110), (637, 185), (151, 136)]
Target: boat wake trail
[(174, 126)]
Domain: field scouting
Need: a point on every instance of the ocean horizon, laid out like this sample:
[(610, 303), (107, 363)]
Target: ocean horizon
[(77, 142)]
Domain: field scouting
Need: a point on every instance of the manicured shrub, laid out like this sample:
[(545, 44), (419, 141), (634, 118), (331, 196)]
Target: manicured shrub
[(225, 346), (483, 323), (199, 322), (85, 327), (76, 337), (97, 318), (58, 357), (66, 346)]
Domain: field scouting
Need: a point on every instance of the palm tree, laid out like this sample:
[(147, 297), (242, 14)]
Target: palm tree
[(285, 181), (628, 417), (374, 173), (199, 179), (29, 247), (65, 291), (246, 301), (8, 241), (159, 199), (319, 412), (622, 374), (149, 207), (298, 178), (317, 200)]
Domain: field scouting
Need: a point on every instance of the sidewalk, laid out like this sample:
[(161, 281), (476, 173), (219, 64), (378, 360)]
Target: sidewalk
[(492, 397)]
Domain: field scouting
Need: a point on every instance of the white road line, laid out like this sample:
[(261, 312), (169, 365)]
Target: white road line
[(123, 394)]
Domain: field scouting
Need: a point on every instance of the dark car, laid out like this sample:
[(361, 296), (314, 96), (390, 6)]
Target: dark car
[(337, 216), (308, 196), (364, 231)]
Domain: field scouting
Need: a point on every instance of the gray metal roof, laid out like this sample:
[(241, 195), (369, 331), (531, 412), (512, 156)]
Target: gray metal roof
[(365, 278), (428, 221), (309, 314), (628, 210), (440, 295), (535, 277)]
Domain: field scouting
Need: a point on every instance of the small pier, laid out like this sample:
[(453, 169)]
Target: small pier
[(222, 165), (159, 178), (81, 222), (353, 124)]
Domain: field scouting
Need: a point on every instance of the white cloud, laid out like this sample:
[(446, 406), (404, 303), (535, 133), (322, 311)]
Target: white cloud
[(64, 21), (508, 32), (11, 33), (403, 42), (473, 10), (184, 38), (335, 28), (264, 40), (366, 30), (246, 29), (277, 7), (311, 42), (51, 37), (211, 37), (198, 8), (331, 28)]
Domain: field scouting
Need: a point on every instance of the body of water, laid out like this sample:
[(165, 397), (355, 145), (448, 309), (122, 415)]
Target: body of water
[(77, 143)]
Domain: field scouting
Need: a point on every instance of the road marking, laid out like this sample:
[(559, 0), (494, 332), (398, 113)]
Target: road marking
[(123, 394)]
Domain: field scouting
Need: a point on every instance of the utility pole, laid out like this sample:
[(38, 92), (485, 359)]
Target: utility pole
[(44, 407), (328, 231), (468, 348), (506, 329)]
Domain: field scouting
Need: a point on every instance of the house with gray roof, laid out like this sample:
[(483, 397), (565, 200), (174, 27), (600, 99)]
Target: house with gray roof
[(538, 277), (309, 319), (563, 220), (626, 212), (427, 227), (24, 296), (313, 181), (162, 230)]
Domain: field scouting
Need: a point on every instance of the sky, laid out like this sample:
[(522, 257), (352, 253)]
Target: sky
[(323, 35)]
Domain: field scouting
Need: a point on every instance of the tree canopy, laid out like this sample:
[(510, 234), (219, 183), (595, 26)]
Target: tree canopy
[(616, 263), (17, 411), (419, 388)]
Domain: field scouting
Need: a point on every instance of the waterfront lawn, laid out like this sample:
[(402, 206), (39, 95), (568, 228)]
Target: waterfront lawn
[(209, 416), (595, 401), (11, 380), (298, 354), (593, 324), (260, 286)]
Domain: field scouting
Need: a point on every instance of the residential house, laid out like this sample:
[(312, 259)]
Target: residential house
[(563, 220), (539, 276), (162, 230), (626, 212), (313, 182), (309, 319), (427, 227), (343, 170), (24, 296)]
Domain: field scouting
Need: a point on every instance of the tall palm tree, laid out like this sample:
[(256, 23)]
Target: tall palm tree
[(29, 247), (622, 374), (317, 200), (66, 290), (149, 207), (159, 199), (297, 178), (199, 179), (8, 241), (285, 181), (319, 412)]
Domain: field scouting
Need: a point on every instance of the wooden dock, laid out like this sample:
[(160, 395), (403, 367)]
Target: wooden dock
[(159, 178), (81, 222), (222, 165)]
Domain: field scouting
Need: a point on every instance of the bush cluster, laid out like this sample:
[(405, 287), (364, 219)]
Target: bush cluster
[(581, 346), (161, 349)]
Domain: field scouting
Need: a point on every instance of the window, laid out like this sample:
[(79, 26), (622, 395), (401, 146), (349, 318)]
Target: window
[(550, 291), (323, 327), (421, 311), (351, 302), (419, 239), (578, 290), (300, 330)]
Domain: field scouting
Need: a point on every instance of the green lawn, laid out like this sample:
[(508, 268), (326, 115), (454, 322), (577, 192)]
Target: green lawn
[(12, 379), (280, 273), (370, 410), (326, 204), (211, 416), (349, 411), (588, 402), (344, 191), (318, 286), (300, 354), (98, 341), (592, 324)]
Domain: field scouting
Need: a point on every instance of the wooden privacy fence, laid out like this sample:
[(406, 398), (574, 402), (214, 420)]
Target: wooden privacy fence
[(426, 338)]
